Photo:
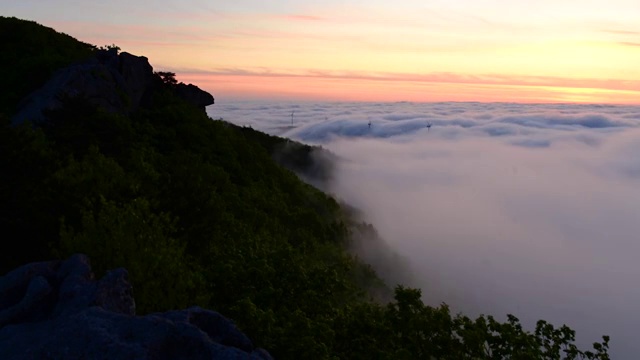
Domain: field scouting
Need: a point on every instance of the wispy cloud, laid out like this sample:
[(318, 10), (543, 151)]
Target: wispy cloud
[(622, 32), (301, 17), (440, 77), (627, 43), (144, 34)]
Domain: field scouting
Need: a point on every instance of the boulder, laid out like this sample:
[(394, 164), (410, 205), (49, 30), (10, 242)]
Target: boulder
[(137, 75), (90, 79), (57, 310), (194, 95), (117, 83)]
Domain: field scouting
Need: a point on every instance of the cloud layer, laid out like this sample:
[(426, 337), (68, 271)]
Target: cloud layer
[(499, 208)]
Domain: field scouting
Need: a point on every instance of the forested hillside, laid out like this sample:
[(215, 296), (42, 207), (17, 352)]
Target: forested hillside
[(200, 213)]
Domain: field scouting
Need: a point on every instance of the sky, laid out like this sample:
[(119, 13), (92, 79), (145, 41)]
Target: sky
[(547, 51), (496, 208)]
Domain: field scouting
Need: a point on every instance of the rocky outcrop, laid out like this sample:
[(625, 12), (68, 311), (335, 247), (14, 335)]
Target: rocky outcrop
[(57, 310), (137, 75), (118, 83), (194, 95)]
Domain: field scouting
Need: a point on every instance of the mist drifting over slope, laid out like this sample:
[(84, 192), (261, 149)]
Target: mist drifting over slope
[(532, 210)]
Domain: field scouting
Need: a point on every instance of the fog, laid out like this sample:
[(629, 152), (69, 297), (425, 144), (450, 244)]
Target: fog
[(532, 210)]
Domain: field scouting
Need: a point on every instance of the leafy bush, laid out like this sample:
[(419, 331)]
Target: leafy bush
[(132, 236)]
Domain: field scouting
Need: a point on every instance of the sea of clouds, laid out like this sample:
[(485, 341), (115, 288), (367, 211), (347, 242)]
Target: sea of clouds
[(499, 208)]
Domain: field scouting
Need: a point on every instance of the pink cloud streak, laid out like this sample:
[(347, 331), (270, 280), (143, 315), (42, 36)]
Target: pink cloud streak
[(301, 17), (444, 77)]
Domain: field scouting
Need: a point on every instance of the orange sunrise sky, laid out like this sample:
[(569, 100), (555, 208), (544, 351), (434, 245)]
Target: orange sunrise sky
[(351, 50)]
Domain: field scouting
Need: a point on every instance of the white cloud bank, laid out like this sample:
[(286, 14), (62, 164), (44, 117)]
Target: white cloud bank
[(532, 210)]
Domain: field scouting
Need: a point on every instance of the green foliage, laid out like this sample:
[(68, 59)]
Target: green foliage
[(408, 329), (309, 161), (199, 213), (134, 237)]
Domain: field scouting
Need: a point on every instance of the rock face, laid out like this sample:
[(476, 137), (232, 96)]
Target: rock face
[(194, 95), (119, 83), (57, 310)]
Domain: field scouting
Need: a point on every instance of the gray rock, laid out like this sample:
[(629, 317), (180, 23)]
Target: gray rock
[(194, 95), (99, 83), (117, 83), (137, 75), (57, 310)]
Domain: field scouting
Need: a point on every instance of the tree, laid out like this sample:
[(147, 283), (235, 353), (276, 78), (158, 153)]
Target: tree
[(112, 47), (167, 77)]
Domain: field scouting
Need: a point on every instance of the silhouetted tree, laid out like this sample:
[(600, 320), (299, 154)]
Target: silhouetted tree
[(112, 47), (167, 77)]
